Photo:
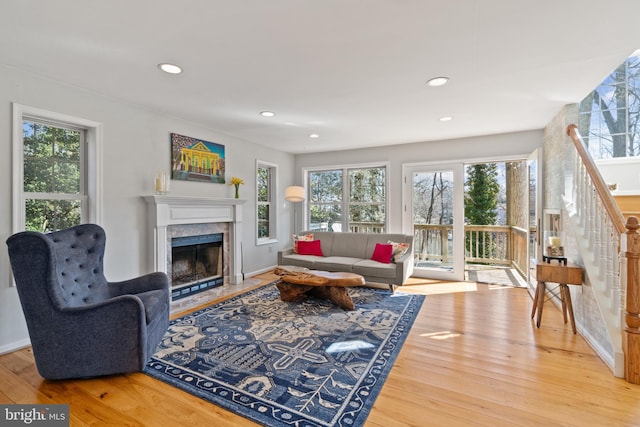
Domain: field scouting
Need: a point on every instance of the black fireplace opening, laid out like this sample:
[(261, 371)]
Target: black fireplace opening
[(196, 264)]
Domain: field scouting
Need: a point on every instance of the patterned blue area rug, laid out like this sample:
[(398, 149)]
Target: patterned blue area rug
[(306, 363)]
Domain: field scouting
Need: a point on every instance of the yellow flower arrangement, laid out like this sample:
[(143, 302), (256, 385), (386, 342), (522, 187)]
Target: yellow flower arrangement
[(237, 182)]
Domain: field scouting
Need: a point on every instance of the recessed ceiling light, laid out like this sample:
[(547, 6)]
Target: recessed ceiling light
[(314, 135), (267, 113), (437, 81), (170, 68), (446, 118)]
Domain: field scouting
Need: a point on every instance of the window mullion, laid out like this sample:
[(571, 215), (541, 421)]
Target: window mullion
[(345, 199)]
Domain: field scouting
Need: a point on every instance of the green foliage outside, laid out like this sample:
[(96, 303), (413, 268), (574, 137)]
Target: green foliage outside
[(366, 198), (481, 197), (52, 161), (481, 201), (264, 198), (326, 197)]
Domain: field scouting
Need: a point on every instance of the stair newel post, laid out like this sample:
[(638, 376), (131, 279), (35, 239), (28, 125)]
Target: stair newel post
[(632, 309)]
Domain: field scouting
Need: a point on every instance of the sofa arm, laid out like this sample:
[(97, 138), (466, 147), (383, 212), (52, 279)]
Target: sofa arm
[(404, 267), (287, 251)]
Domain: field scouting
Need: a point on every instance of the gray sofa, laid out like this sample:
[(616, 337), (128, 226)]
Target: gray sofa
[(351, 252)]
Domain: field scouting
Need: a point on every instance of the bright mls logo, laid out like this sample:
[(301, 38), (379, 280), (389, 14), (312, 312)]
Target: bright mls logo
[(36, 415)]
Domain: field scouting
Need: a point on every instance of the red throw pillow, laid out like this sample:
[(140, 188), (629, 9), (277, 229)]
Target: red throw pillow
[(296, 239), (382, 253), (309, 248)]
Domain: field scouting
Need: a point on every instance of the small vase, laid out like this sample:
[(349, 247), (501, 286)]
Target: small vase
[(237, 193)]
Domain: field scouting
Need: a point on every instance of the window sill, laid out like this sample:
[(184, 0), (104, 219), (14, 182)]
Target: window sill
[(266, 241)]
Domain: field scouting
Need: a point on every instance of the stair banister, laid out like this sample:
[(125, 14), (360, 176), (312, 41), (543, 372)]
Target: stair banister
[(632, 306), (598, 182), (616, 249)]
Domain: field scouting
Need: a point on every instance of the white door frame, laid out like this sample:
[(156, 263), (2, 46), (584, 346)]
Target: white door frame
[(537, 158), (408, 169)]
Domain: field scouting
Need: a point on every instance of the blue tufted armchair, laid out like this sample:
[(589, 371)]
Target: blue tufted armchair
[(80, 325)]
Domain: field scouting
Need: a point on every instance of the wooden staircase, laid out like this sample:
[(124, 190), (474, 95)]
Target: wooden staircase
[(609, 244)]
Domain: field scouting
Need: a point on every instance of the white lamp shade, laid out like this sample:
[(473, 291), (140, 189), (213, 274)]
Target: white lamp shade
[(294, 194)]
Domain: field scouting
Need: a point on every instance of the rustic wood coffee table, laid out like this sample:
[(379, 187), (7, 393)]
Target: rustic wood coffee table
[(297, 283)]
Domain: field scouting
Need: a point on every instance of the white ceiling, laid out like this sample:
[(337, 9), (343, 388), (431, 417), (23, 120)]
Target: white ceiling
[(353, 71)]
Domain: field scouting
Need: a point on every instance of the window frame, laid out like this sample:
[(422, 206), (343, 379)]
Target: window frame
[(271, 203), (346, 202), (92, 161), (594, 137)]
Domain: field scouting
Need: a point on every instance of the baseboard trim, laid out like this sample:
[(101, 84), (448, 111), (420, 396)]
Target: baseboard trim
[(16, 345), (257, 272)]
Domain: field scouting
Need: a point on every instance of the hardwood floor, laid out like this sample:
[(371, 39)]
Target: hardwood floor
[(472, 358)]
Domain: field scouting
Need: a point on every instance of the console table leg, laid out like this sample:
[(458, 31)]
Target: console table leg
[(535, 302), (541, 290), (563, 302), (566, 298)]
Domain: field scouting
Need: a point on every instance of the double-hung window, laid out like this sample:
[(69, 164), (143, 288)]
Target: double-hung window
[(348, 199), (266, 177), (55, 183)]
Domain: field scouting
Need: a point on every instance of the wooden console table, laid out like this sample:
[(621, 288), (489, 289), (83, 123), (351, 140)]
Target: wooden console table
[(563, 275)]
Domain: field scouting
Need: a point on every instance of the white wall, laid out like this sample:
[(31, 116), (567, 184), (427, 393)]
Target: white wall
[(512, 145), (136, 146), (623, 171)]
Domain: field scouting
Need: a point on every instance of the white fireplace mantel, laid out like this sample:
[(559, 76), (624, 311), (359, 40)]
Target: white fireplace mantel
[(164, 211)]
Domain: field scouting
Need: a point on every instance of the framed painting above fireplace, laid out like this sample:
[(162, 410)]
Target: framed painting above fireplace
[(194, 159)]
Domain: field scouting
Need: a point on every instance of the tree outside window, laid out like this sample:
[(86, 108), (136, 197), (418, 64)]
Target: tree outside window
[(609, 119), (53, 181), (265, 183), (367, 200), (358, 191)]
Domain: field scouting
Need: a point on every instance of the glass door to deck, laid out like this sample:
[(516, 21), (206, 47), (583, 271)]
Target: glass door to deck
[(434, 213)]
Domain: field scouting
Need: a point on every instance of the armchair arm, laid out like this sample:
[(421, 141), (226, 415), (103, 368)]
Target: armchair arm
[(148, 282), (126, 311)]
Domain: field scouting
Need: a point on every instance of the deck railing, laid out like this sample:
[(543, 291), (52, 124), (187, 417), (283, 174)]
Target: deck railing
[(484, 244)]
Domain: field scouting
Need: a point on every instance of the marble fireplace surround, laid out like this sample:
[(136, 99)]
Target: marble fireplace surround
[(175, 216)]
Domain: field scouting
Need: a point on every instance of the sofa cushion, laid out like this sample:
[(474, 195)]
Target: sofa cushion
[(367, 267), (382, 253), (349, 245), (298, 260), (336, 263)]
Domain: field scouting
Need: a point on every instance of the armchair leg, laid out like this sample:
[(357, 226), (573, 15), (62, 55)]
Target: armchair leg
[(392, 288)]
